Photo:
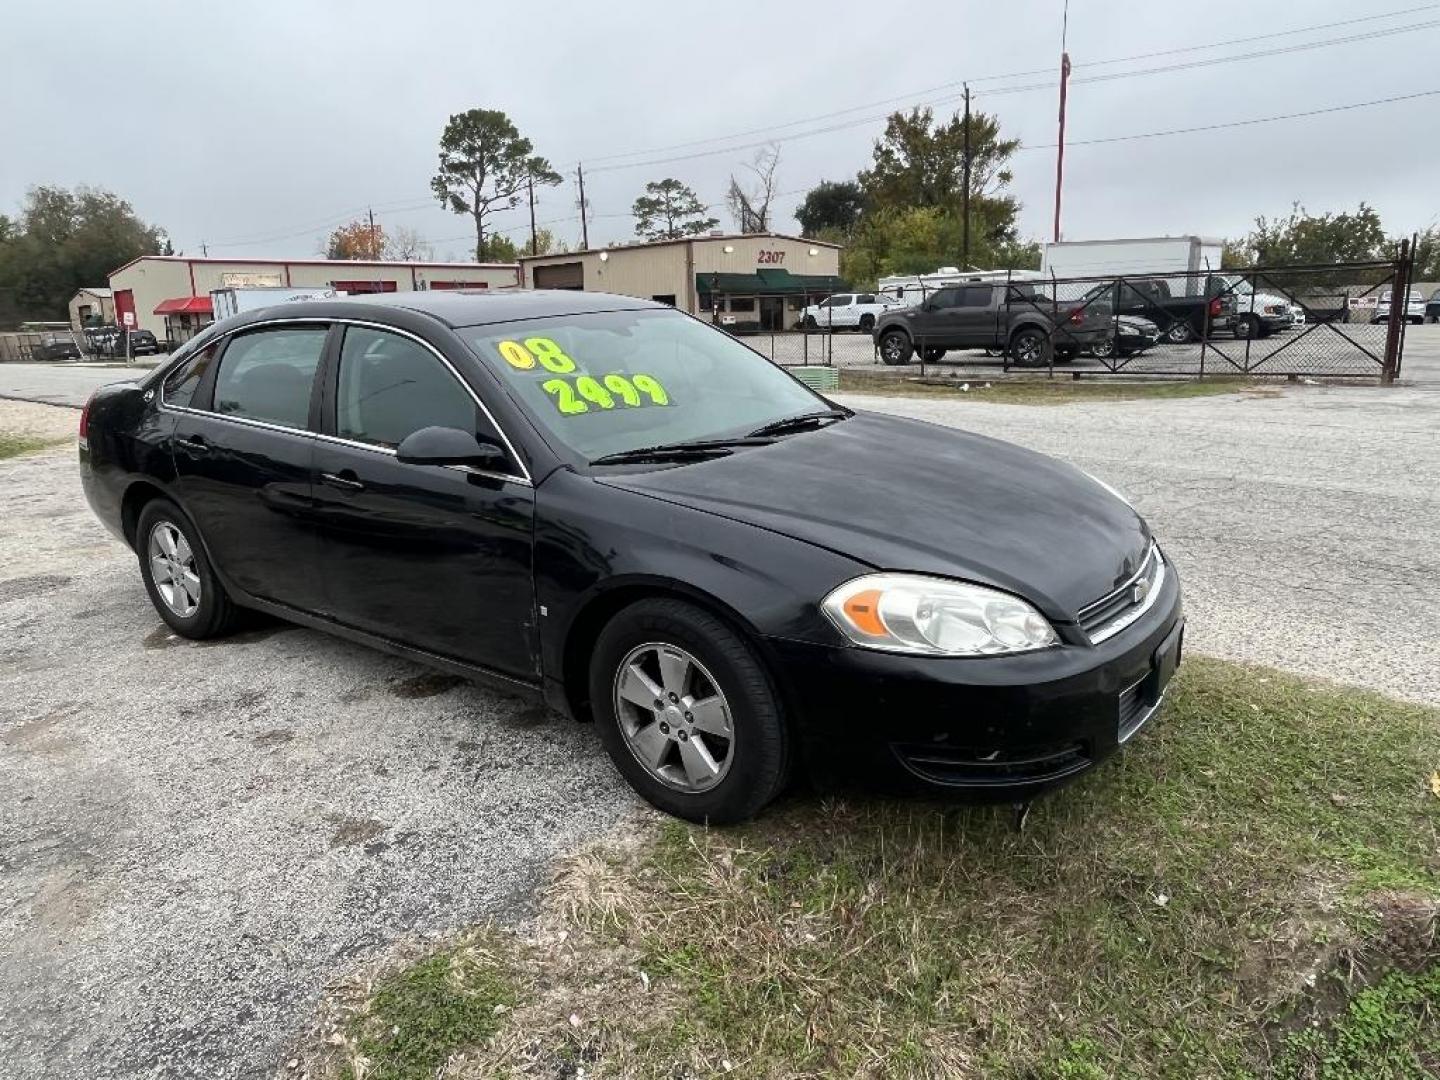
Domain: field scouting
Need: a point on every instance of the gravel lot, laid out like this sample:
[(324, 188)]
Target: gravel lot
[(198, 838)]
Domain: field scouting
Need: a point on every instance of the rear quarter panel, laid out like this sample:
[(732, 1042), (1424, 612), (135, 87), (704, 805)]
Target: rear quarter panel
[(127, 443)]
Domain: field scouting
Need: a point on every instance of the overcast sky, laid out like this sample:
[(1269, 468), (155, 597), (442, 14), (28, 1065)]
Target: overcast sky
[(257, 127)]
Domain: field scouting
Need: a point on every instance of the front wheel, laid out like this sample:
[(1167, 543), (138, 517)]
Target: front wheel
[(1247, 326), (1104, 350), (687, 712), (181, 583), (1179, 333), (867, 323), (895, 348)]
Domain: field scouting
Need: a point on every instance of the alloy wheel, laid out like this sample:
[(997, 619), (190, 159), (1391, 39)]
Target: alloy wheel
[(1179, 333), (674, 717), (173, 569)]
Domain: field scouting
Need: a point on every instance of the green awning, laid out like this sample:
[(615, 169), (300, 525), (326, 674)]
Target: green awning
[(770, 283)]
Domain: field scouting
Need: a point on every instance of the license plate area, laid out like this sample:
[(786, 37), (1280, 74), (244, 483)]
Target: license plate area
[(1139, 701)]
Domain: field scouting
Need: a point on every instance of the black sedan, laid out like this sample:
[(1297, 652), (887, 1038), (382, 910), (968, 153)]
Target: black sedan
[(56, 347), (610, 506)]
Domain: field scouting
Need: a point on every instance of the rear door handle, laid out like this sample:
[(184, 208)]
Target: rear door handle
[(342, 481)]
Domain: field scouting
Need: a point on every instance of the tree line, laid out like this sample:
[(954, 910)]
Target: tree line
[(906, 212)]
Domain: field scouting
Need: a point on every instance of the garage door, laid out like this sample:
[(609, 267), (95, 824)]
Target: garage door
[(569, 275)]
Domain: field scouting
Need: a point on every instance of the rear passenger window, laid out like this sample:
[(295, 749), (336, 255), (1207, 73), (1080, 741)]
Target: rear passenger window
[(267, 375), (977, 295), (390, 386), (866, 300), (180, 384)]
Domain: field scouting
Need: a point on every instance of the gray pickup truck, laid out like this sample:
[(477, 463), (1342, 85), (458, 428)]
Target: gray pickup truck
[(1014, 318)]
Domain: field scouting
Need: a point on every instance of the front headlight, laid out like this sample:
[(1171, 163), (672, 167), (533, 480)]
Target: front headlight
[(910, 613)]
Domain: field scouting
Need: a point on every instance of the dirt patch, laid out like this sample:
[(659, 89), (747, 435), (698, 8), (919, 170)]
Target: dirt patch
[(354, 832), (37, 585), (431, 684)]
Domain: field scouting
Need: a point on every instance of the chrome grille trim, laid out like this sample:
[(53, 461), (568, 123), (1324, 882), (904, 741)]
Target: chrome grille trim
[(1152, 570)]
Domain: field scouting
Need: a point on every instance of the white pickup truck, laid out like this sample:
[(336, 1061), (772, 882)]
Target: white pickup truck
[(848, 311)]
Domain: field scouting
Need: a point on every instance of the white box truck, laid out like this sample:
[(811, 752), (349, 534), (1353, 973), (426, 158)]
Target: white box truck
[(232, 301), (1152, 256)]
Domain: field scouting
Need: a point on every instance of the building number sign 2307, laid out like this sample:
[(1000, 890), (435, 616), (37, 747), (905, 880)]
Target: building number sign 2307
[(775, 257)]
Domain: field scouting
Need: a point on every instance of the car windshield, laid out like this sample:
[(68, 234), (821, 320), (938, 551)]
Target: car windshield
[(1238, 285), (613, 381)]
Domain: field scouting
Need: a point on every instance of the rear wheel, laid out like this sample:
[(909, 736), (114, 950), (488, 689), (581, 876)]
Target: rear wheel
[(895, 347), (687, 712), (1029, 348), (931, 353), (1179, 333), (181, 583), (1247, 326), (1104, 350)]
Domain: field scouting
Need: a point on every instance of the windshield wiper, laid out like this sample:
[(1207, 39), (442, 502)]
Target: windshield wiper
[(787, 424), (680, 451)]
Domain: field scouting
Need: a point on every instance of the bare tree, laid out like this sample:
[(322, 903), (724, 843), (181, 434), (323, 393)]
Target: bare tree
[(750, 205), (404, 244)]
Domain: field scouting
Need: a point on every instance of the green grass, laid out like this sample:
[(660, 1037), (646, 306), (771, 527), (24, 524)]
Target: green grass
[(1249, 890), (1034, 391), (13, 445), (416, 1018)]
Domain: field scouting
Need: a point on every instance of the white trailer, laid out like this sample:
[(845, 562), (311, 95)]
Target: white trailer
[(226, 303), (1152, 256)]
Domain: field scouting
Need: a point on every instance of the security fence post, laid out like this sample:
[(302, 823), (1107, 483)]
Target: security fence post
[(1399, 295)]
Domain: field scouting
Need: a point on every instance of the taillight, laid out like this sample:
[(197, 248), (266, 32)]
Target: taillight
[(1215, 307), (85, 423), (1077, 316)]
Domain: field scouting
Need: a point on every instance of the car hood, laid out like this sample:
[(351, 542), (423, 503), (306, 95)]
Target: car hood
[(901, 494)]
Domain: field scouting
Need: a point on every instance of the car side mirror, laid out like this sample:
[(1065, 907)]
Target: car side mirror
[(449, 446)]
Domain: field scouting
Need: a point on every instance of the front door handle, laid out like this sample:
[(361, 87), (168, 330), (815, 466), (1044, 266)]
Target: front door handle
[(194, 442), (343, 481)]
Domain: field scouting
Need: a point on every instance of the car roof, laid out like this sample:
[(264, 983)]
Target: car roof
[(463, 307)]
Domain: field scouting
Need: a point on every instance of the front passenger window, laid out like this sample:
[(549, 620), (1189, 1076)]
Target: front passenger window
[(390, 386), (267, 375)]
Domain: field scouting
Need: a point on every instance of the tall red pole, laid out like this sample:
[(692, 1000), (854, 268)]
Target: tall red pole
[(1060, 150)]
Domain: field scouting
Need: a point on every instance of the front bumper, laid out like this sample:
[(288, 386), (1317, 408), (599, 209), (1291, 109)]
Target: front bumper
[(986, 727)]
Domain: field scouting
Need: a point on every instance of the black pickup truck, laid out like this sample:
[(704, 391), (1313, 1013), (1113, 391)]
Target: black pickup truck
[(1010, 317), (1180, 318)]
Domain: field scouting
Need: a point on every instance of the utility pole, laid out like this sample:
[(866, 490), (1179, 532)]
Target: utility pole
[(534, 240), (374, 247), (205, 251), (1060, 148), (965, 203), (584, 210)]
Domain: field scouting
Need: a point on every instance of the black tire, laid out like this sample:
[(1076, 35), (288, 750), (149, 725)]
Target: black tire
[(1029, 347), (932, 353), (809, 323), (867, 324), (1104, 350), (1247, 326), (1179, 333), (896, 347), (215, 614), (759, 753)]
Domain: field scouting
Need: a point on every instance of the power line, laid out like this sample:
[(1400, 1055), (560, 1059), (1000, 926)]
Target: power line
[(1044, 71), (1239, 123)]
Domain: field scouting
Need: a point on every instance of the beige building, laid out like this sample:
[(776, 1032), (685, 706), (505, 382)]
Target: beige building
[(92, 307), (170, 294), (757, 281)]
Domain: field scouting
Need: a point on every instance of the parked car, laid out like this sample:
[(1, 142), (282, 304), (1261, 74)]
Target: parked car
[(1179, 318), (1131, 335), (141, 343), (56, 347), (1014, 318), (1257, 314), (1414, 307), (1432, 309), (609, 506), (848, 311)]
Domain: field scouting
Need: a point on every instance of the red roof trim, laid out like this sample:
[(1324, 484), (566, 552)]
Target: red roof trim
[(185, 305), (317, 262)]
